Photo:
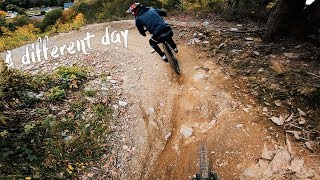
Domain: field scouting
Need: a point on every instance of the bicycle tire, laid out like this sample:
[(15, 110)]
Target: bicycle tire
[(204, 169), (204, 163), (172, 59)]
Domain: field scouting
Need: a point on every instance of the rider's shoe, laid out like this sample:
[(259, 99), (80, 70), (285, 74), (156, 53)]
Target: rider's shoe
[(176, 50), (164, 58)]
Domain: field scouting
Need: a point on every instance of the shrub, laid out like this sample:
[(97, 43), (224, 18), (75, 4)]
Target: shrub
[(50, 19), (68, 16), (17, 38), (39, 145), (215, 5), (100, 11), (3, 14), (90, 93), (79, 21), (21, 20), (2, 20), (56, 94), (172, 4)]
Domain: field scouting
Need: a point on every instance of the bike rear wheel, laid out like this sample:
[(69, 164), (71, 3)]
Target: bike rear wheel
[(171, 57)]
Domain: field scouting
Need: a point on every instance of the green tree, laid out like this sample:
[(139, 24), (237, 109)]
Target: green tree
[(2, 20), (21, 20), (11, 7), (50, 18)]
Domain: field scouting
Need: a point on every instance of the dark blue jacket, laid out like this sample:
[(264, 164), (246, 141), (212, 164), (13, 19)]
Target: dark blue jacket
[(151, 19)]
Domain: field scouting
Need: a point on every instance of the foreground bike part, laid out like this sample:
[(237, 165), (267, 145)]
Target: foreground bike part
[(171, 57)]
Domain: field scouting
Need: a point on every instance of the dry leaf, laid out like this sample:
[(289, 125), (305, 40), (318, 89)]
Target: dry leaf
[(266, 103), (278, 121), (290, 117), (296, 134), (312, 145), (301, 113), (247, 110), (277, 103), (265, 109), (289, 147), (302, 120), (74, 84)]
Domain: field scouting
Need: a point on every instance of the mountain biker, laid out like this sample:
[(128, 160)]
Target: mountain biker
[(151, 19)]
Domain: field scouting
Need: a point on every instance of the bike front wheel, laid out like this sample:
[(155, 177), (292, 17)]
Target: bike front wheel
[(171, 57)]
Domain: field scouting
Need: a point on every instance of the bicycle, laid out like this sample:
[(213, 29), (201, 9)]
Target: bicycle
[(204, 172), (168, 50)]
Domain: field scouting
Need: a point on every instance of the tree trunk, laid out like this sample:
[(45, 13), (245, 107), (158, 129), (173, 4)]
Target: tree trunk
[(312, 17), (285, 19)]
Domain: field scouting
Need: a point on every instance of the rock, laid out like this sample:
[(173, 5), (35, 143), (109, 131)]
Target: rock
[(291, 55), (260, 70), (297, 47), (115, 106), (305, 174), (186, 131), (278, 66), (281, 160), (266, 154), (246, 109), (206, 42), (279, 121), (222, 45), (296, 164), (213, 122), (191, 42), (122, 103), (153, 125), (151, 110), (125, 147), (256, 53), (36, 96), (113, 81), (199, 76), (236, 50), (201, 36), (234, 29), (248, 39), (68, 138), (256, 171), (167, 136), (206, 23), (195, 35), (238, 126), (196, 40)]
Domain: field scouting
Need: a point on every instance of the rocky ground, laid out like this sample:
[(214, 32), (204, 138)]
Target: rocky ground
[(232, 95)]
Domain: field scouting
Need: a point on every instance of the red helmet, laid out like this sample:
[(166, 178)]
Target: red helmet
[(133, 8)]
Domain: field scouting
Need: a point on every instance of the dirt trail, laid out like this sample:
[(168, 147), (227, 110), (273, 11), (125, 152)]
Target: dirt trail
[(169, 116), (204, 106)]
